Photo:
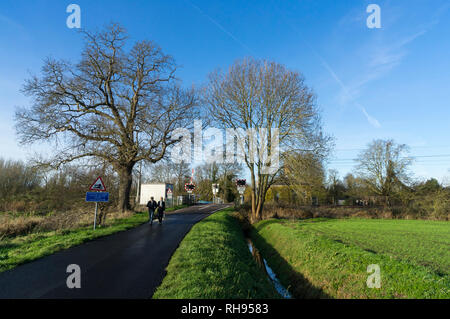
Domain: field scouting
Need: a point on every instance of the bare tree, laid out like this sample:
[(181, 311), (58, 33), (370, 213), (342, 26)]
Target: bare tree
[(228, 173), (304, 173), (116, 105), (205, 175), (161, 172), (335, 186), (384, 167), (17, 178), (221, 173), (255, 95), (169, 172), (355, 187)]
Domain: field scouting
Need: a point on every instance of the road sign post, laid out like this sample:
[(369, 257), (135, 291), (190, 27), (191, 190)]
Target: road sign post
[(95, 215), (189, 188), (170, 196), (102, 197), (215, 190), (98, 185), (98, 194), (241, 185)]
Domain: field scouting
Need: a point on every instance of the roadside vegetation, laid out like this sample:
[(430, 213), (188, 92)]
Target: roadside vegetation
[(273, 210), (21, 249), (38, 199), (213, 261), (328, 258), (381, 185), (13, 224), (38, 242)]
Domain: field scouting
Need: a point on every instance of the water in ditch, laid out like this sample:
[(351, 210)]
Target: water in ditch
[(270, 273)]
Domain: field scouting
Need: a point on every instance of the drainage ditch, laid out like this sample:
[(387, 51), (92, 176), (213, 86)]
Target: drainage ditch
[(269, 272)]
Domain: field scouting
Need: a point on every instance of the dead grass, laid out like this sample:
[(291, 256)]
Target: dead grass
[(286, 212), (20, 224)]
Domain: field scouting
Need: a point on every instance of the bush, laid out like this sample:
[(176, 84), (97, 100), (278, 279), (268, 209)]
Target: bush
[(435, 208), (19, 224), (441, 209), (10, 227)]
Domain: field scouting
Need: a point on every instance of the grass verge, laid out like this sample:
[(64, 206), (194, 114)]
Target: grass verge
[(322, 258), (213, 262), (23, 249)]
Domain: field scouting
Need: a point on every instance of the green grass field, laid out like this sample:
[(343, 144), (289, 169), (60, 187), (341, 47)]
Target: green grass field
[(329, 257), (213, 261)]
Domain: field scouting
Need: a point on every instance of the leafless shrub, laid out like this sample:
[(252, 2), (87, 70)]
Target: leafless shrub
[(442, 212), (12, 225)]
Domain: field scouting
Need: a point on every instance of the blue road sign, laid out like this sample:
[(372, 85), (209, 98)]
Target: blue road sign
[(97, 197)]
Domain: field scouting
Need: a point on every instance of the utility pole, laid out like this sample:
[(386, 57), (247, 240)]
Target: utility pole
[(138, 195), (189, 187)]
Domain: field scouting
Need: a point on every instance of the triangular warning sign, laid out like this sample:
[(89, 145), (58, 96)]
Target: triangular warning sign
[(98, 186), (169, 191)]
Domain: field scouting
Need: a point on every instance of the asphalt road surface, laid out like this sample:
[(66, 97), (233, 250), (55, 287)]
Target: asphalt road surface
[(129, 264)]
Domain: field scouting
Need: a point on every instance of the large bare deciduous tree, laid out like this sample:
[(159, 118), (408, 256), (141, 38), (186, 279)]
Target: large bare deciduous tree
[(119, 104), (258, 94), (384, 167)]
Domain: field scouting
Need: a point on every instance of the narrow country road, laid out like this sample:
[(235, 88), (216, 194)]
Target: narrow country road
[(129, 264)]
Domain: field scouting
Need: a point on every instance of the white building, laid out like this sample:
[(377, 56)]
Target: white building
[(156, 191)]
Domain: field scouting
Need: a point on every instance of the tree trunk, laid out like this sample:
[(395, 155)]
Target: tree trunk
[(257, 206), (258, 212), (260, 206), (225, 191), (253, 217), (126, 180)]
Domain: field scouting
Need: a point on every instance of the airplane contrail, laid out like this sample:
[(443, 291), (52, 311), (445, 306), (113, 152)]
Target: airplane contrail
[(217, 24)]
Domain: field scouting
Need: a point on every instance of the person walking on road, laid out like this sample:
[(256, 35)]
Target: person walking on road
[(151, 209), (161, 209)]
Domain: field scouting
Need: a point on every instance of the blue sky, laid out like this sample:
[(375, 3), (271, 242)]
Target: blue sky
[(392, 82)]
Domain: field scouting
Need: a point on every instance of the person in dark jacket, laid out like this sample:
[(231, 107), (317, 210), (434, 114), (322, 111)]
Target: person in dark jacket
[(151, 209), (161, 209)]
